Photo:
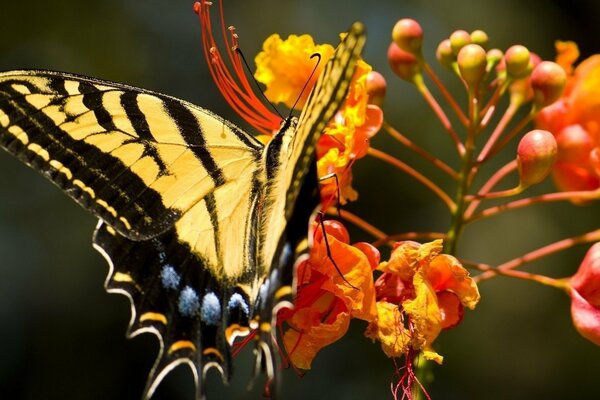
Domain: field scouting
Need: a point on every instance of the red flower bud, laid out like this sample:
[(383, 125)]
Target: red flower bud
[(535, 154), (333, 228), (517, 59), (408, 35), (585, 296), (548, 81), (472, 61), (371, 252), (458, 40), (376, 88), (403, 63), (444, 53)]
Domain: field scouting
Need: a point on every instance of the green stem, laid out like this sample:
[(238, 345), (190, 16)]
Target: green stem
[(465, 178)]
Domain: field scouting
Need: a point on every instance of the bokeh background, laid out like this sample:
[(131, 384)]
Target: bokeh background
[(62, 337)]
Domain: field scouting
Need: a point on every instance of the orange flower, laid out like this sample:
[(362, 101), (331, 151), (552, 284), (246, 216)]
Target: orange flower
[(585, 296), (420, 292), (285, 65), (346, 139), (575, 122), (328, 297)]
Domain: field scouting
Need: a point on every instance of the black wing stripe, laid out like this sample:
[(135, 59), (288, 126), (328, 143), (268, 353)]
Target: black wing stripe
[(190, 130), (94, 169), (92, 99)]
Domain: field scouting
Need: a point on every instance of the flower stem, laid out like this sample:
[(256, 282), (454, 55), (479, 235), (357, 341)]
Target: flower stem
[(361, 223), (437, 110), (415, 174), (545, 280), (584, 195), (459, 113), (489, 185), (420, 151), (552, 248), (409, 236)]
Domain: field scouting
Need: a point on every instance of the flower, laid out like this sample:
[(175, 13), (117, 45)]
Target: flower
[(284, 66), (420, 293), (585, 296), (575, 122), (346, 138), (328, 295)]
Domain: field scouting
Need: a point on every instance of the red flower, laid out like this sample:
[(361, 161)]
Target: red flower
[(328, 297), (575, 122), (585, 296)]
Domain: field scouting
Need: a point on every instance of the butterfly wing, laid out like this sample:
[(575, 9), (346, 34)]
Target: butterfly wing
[(174, 187)]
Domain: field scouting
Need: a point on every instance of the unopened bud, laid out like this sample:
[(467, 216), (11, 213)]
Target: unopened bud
[(404, 64), (444, 53), (376, 88), (471, 63), (517, 60), (548, 81), (458, 40), (494, 56), (408, 35), (479, 37), (535, 155)]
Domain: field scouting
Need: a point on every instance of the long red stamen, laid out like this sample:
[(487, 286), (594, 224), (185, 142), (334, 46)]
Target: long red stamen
[(233, 86)]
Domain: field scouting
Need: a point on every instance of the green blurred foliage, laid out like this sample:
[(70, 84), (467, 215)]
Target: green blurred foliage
[(62, 337)]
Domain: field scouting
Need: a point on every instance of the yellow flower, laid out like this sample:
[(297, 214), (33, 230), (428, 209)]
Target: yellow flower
[(420, 293), (285, 65)]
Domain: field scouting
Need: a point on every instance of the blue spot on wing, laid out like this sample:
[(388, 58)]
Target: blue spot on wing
[(169, 277), (188, 302), (237, 301), (210, 313)]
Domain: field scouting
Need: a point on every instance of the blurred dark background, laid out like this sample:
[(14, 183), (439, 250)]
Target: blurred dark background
[(62, 337)]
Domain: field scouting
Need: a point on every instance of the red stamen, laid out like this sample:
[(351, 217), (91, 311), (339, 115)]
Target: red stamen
[(234, 85)]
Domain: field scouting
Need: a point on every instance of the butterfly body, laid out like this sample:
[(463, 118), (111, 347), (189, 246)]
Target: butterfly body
[(198, 221)]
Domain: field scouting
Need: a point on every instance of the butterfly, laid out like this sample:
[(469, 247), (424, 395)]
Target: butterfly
[(199, 222)]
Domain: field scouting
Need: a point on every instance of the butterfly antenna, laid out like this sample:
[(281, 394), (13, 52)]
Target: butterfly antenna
[(318, 55), (260, 90), (328, 250)]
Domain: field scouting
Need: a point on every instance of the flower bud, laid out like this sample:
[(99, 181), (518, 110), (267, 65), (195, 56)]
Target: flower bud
[(517, 59), (535, 155), (479, 37), (548, 81), (494, 56), (376, 88), (585, 296), (333, 228), (403, 63), (373, 255), (458, 40), (408, 35), (471, 63), (444, 53)]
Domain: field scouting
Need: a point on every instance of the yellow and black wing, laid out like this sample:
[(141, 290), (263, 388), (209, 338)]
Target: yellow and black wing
[(196, 217), (174, 187)]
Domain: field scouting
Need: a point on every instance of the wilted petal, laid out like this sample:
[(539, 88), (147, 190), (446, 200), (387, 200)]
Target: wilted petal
[(445, 272)]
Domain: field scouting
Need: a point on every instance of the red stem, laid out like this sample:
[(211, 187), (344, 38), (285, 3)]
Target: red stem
[(415, 174), (420, 151)]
